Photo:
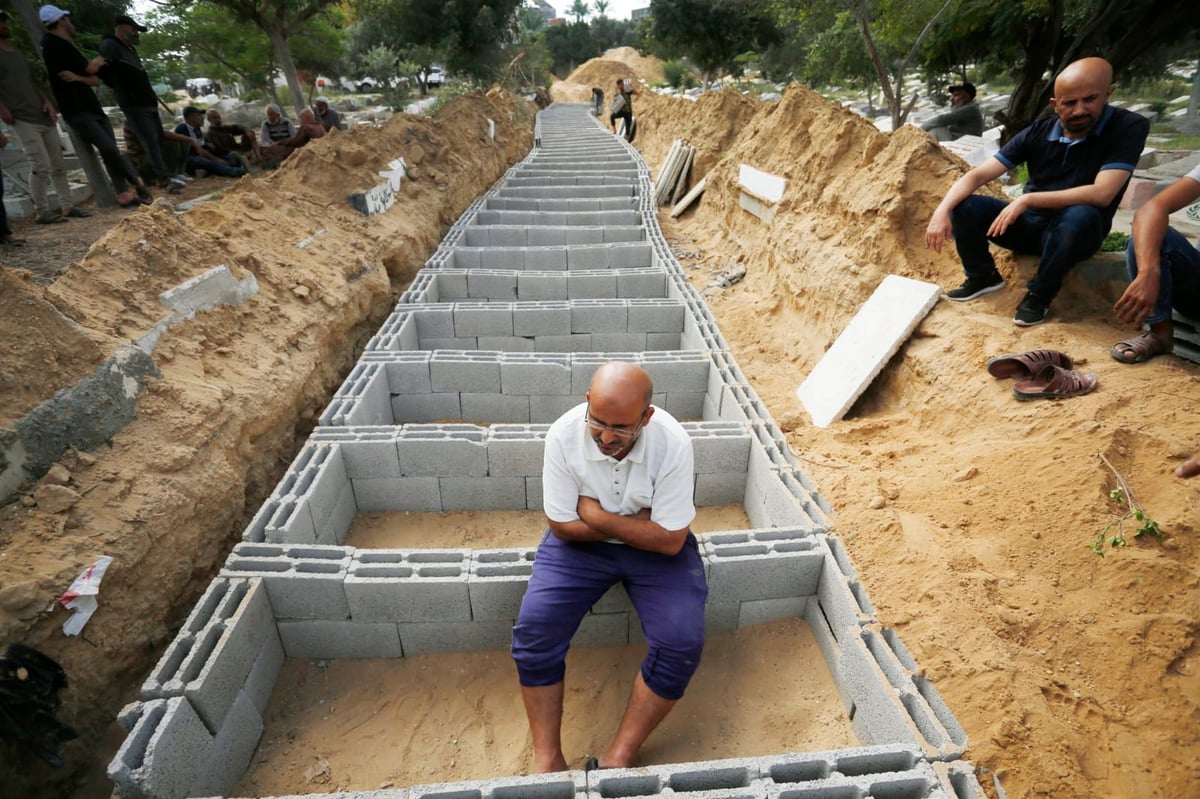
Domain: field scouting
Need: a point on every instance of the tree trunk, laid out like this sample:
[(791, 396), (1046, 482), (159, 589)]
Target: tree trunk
[(278, 35)]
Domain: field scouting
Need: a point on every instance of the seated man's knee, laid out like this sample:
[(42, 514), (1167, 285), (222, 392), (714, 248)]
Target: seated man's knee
[(539, 652), (667, 671)]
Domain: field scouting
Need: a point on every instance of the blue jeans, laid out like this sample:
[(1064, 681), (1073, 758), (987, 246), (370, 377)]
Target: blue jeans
[(97, 131), (1062, 238), (1179, 281), (568, 577), (149, 131), (227, 167)]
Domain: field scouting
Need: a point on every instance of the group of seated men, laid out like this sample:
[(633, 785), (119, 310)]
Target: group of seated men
[(230, 149)]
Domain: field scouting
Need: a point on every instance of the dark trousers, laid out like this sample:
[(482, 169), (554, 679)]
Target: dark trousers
[(1179, 277), (227, 167), (96, 130), (668, 592), (146, 125), (1062, 238)]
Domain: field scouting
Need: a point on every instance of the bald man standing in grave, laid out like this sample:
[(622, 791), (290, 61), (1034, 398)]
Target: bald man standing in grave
[(617, 479)]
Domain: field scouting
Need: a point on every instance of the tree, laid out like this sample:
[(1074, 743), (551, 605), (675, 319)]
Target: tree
[(1041, 38), (570, 45), (279, 20), (579, 10), (711, 33), (601, 7)]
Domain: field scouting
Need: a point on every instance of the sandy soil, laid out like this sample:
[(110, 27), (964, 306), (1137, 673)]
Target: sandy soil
[(367, 724), (968, 515)]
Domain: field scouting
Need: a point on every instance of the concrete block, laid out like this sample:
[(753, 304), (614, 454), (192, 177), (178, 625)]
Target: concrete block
[(225, 653), (260, 682), (434, 321), (641, 283), (719, 488), (1138, 193), (590, 257), (624, 234), (298, 587), (418, 638), (459, 371), (232, 749), (655, 316), (583, 235), (721, 617), (543, 236), (545, 258), (543, 374), (875, 333), (662, 341), (372, 455), (763, 570), (464, 258), (340, 639), (508, 236), (391, 586), (598, 316), (483, 493), (518, 455), (452, 284), (619, 342), (433, 451), (497, 583), (481, 319), (505, 344), (542, 319), (630, 255), (495, 408), (595, 284), (163, 754), (417, 408), (542, 287), (761, 611), (559, 785)]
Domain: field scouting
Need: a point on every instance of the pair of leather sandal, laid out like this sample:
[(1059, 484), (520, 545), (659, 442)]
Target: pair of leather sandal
[(1042, 374)]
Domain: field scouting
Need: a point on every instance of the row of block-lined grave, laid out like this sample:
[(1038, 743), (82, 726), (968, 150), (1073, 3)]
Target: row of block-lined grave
[(556, 270)]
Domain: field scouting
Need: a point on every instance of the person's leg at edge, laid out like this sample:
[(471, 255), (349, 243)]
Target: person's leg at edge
[(39, 169), (969, 221), (567, 580), (148, 128), (1178, 285), (58, 165), (97, 131), (1074, 234), (669, 593)]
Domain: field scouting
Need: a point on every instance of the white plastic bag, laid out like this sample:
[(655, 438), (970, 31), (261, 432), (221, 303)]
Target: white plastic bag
[(81, 596)]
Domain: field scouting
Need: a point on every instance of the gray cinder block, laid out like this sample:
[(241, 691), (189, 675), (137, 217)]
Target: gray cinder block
[(298, 587), (417, 408), (409, 586), (418, 638), (589, 257), (542, 319), (483, 493), (757, 570), (596, 316), (232, 749), (435, 450), (541, 287), (655, 316), (400, 493), (495, 408), (540, 374), (761, 611), (162, 756), (458, 372), (597, 284), (339, 639), (498, 581), (517, 456)]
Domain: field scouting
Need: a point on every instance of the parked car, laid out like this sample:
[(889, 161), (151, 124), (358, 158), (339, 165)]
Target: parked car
[(435, 77)]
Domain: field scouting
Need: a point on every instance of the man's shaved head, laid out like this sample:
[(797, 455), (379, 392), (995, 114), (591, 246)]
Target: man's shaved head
[(619, 399), (1080, 93)]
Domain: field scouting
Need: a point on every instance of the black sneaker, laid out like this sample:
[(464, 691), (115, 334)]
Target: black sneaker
[(974, 287), (1031, 312)]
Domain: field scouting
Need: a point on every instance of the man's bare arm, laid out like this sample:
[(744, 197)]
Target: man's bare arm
[(939, 230), (636, 531), (1149, 229)]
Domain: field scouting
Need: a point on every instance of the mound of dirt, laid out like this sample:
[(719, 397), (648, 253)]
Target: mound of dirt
[(239, 386), (968, 515), (617, 63)]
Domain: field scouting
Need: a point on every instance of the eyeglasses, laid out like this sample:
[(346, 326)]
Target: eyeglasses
[(622, 433)]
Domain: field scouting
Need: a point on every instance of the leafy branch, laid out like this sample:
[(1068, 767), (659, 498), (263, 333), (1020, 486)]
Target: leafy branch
[(1114, 534)]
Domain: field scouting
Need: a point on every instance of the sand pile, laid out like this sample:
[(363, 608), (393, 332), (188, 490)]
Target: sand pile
[(239, 384), (968, 514)]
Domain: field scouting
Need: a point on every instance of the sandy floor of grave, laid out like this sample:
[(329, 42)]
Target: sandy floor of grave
[(492, 529), (366, 724)]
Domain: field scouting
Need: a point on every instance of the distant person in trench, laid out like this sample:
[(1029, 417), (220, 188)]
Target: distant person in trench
[(622, 107), (617, 485), (1080, 160)]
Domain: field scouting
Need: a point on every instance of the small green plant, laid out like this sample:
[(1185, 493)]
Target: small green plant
[(1113, 535), (1115, 241)]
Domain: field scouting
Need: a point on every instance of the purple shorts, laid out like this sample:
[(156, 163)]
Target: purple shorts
[(668, 592)]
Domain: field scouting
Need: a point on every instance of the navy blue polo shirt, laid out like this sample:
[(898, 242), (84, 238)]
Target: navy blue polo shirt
[(1056, 162)]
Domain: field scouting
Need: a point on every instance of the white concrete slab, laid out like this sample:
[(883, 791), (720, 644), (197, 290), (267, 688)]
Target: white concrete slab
[(972, 149), (882, 324), (763, 185)]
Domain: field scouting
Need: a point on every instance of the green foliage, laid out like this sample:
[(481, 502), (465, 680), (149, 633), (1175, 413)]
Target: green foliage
[(570, 45), (1115, 241), (712, 33), (388, 66), (678, 75), (1114, 534)]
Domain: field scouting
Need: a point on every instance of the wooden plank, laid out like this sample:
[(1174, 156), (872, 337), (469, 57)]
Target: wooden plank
[(681, 183)]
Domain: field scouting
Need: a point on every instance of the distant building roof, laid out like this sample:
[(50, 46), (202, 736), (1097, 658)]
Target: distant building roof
[(638, 13), (547, 10)]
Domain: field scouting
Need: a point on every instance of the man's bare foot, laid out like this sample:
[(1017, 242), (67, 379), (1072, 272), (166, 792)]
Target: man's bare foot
[(550, 765), (1189, 468)]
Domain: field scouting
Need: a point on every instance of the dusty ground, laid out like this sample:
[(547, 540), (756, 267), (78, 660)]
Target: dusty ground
[(967, 514)]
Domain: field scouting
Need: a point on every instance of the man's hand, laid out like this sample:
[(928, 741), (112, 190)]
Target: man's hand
[(1138, 300), (1009, 214), (96, 64), (939, 231), (50, 111)]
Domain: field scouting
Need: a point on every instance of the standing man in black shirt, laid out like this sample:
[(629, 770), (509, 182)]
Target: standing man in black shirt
[(124, 72), (71, 80)]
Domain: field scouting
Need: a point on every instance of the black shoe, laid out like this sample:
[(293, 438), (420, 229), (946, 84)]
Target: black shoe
[(974, 287), (1031, 312)]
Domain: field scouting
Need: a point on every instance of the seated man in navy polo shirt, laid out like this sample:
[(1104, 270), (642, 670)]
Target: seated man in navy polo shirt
[(1079, 161)]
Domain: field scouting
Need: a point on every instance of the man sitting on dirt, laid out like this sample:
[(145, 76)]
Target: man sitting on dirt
[(1164, 273), (617, 492), (224, 140), (328, 117), (276, 127), (622, 107), (1079, 161), (963, 119), (309, 129), (200, 157)]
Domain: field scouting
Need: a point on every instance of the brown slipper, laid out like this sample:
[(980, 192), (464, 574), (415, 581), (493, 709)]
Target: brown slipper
[(1138, 349), (1054, 382), (1026, 364)]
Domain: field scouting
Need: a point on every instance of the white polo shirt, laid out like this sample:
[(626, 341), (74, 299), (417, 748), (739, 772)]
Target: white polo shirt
[(658, 473)]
